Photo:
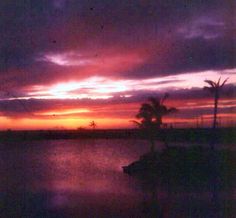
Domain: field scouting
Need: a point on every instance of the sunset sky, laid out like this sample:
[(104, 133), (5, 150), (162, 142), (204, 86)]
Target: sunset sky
[(64, 63)]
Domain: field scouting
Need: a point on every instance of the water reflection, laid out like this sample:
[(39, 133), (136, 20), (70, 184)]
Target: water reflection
[(84, 168), (83, 178)]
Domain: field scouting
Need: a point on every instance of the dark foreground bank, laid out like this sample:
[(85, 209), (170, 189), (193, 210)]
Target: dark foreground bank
[(191, 167)]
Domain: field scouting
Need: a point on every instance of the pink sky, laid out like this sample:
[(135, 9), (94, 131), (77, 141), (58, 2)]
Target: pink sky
[(65, 63)]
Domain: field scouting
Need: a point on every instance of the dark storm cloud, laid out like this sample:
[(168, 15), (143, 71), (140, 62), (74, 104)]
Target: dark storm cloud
[(190, 55), (168, 32)]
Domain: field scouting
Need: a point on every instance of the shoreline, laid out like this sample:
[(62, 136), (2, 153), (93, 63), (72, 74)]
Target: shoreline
[(198, 135)]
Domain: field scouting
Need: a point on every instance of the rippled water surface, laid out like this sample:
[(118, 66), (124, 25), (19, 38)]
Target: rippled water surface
[(84, 178)]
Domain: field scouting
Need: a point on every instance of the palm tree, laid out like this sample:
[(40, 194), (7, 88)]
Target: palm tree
[(92, 124), (215, 88), (151, 114)]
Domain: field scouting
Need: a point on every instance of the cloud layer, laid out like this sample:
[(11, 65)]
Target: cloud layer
[(63, 49)]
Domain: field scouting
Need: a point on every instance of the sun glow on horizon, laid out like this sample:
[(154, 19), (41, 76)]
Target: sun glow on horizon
[(191, 113), (98, 89)]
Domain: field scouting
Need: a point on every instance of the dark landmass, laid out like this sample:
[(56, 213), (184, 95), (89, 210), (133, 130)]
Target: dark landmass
[(203, 135), (195, 166)]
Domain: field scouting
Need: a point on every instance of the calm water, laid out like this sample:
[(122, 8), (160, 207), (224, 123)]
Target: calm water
[(84, 178)]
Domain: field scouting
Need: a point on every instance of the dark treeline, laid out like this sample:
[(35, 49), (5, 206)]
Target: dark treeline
[(199, 135)]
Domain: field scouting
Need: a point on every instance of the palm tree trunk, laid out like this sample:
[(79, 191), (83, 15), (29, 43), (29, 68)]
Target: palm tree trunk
[(214, 161), (150, 133), (152, 149), (214, 120), (215, 110), (159, 122)]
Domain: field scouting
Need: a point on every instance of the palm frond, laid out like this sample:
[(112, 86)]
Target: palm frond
[(150, 114), (155, 102), (92, 124), (145, 110), (139, 124), (224, 82), (146, 106), (172, 110), (164, 97), (210, 82), (218, 83)]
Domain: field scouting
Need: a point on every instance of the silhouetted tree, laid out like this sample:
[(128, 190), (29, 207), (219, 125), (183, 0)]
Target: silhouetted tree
[(215, 89), (92, 124), (151, 115)]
